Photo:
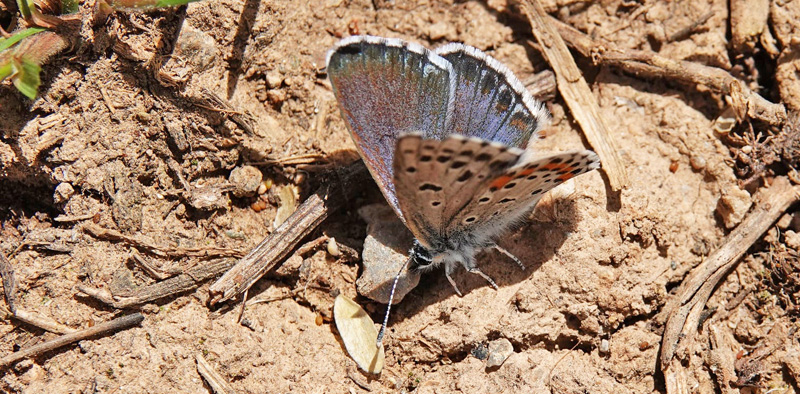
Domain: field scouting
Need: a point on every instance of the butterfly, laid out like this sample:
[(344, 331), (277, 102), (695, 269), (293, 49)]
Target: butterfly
[(444, 134)]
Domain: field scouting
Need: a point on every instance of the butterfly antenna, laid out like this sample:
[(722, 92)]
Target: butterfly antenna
[(389, 307)]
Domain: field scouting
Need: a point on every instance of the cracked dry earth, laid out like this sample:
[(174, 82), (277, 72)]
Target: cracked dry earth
[(122, 129)]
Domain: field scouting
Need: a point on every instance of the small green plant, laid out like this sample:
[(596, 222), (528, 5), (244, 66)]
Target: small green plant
[(21, 57), (24, 51)]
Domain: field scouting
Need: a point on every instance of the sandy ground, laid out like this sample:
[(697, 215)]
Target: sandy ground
[(124, 116)]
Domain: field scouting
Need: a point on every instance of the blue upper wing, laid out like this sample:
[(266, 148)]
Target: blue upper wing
[(387, 88), (490, 102)]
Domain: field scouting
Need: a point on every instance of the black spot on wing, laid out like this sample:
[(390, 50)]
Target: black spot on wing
[(430, 186), (483, 157)]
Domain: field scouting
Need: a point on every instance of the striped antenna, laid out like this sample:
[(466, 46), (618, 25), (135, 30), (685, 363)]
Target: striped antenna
[(379, 341)]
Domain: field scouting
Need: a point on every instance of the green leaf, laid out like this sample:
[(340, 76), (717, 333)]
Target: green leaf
[(6, 70), (8, 42), (24, 8), (170, 3), (147, 3), (26, 78)]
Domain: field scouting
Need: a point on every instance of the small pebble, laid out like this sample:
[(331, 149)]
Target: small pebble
[(697, 162), (603, 348), (246, 181), (333, 247), (792, 239), (64, 191), (733, 205), (784, 221), (274, 79), (480, 351), (209, 198), (673, 167), (747, 149), (386, 234), (499, 351), (262, 188)]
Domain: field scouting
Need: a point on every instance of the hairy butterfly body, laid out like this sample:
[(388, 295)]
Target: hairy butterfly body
[(444, 135)]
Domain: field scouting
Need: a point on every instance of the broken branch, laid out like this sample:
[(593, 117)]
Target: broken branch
[(685, 309), (576, 93), (744, 101), (100, 329), (275, 247)]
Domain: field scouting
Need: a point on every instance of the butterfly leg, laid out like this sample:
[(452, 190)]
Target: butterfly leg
[(509, 255), (476, 270), (448, 269)]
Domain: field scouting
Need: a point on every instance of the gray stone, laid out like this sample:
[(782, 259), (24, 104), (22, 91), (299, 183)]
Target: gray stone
[(385, 251), (499, 350), (733, 205), (245, 181), (196, 46)]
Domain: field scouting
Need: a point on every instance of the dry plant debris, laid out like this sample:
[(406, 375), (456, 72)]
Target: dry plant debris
[(116, 182), (358, 334)]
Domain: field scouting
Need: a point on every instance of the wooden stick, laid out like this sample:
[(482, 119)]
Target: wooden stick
[(37, 321), (275, 247), (10, 290), (100, 329), (685, 309), (744, 101), (214, 379), (164, 251), (576, 93), (9, 283), (189, 280), (542, 85)]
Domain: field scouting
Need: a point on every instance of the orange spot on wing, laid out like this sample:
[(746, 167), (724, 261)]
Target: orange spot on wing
[(526, 172), (566, 176), (501, 181), (555, 166)]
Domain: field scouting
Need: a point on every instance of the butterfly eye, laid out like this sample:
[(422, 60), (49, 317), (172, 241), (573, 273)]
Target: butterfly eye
[(420, 256)]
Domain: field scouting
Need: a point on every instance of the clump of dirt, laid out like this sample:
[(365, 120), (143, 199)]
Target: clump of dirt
[(152, 130)]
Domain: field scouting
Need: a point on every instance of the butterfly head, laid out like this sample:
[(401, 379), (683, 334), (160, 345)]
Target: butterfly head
[(425, 258), (421, 257)]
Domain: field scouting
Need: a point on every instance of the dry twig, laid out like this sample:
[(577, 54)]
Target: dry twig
[(114, 235), (218, 104), (214, 379), (277, 245), (10, 290), (41, 322), (688, 30), (186, 281), (685, 310), (744, 101), (9, 283), (542, 85), (100, 329), (576, 93)]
